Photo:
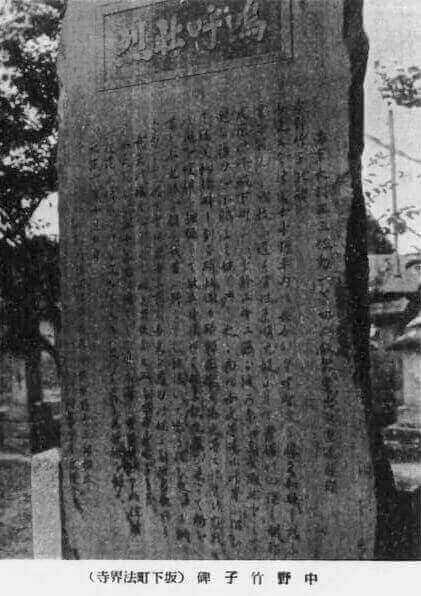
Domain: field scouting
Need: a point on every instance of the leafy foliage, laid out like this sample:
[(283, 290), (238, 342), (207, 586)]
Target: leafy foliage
[(378, 186), (29, 272), (28, 110), (377, 241), (402, 86)]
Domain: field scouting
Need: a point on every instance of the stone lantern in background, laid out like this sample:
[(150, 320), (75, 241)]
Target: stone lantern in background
[(403, 439), (409, 344)]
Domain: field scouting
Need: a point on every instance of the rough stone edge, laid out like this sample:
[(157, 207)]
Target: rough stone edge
[(54, 456), (357, 270)]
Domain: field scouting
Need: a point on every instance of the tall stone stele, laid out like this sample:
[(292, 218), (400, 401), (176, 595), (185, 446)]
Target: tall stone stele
[(214, 280)]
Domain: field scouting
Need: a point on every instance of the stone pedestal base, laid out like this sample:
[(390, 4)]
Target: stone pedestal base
[(403, 444), (408, 485)]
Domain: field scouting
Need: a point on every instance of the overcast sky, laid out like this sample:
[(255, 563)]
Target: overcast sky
[(394, 31)]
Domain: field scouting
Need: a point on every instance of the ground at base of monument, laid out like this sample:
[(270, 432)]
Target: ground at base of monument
[(16, 531), (15, 507)]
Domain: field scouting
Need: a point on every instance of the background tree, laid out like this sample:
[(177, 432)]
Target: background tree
[(376, 188), (402, 88), (28, 110), (29, 274), (377, 240)]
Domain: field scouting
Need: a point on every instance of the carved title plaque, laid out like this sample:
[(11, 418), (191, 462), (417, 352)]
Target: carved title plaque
[(155, 41)]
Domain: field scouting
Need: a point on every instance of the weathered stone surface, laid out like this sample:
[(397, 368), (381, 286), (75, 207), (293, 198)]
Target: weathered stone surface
[(15, 507), (46, 507), (214, 285)]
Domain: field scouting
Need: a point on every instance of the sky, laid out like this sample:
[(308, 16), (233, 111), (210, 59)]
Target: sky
[(393, 28), (394, 31)]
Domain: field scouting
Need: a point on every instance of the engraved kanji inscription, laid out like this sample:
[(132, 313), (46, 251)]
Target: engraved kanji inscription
[(163, 40)]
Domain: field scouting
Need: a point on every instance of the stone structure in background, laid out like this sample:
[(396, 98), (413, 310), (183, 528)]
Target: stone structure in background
[(46, 506), (395, 302), (410, 345), (214, 280), (15, 422), (29, 411), (403, 437), (28, 426), (5, 393), (393, 294)]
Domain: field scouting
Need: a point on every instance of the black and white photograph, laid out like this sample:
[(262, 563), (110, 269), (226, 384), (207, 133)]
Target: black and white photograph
[(210, 286)]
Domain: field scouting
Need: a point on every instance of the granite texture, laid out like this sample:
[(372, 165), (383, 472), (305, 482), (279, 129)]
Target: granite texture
[(46, 505), (214, 281)]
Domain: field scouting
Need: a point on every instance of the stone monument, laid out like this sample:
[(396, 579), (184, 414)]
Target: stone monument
[(214, 280)]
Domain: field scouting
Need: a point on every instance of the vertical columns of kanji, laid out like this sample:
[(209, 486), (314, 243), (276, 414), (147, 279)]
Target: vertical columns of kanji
[(213, 404)]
